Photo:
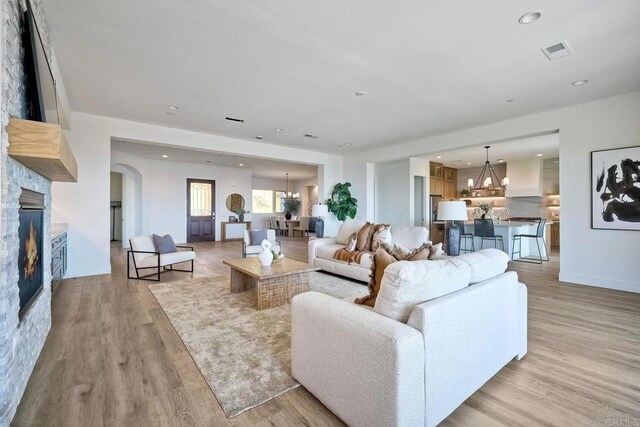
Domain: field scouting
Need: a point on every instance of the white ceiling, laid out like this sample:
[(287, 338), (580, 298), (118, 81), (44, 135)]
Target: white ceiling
[(260, 168), (519, 149), (428, 66)]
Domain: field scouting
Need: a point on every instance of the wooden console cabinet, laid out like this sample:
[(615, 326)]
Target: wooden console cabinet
[(232, 231)]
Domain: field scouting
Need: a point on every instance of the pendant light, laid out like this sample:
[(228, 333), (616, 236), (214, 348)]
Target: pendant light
[(488, 177), (288, 194)]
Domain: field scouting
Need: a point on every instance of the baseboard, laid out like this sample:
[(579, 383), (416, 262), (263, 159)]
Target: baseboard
[(600, 282)]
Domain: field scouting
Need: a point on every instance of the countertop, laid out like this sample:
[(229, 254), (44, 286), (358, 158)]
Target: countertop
[(505, 223), (58, 228)]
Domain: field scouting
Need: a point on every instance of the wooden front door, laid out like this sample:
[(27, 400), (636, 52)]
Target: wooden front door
[(201, 210)]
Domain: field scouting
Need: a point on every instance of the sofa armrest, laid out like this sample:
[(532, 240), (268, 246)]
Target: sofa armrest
[(314, 243), (366, 368), (469, 335)]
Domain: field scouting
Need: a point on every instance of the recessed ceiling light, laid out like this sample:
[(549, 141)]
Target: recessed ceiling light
[(240, 164), (438, 157), (258, 136), (579, 82), (530, 17), (348, 144), (539, 155), (173, 107), (500, 160), (278, 129), (468, 163), (164, 156), (361, 93), (510, 100)]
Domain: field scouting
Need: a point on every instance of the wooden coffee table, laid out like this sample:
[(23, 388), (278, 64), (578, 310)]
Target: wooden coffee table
[(275, 285)]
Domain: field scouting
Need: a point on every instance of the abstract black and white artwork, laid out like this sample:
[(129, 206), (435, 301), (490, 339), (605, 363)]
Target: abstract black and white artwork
[(615, 189)]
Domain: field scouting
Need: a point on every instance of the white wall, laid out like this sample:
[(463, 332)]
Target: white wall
[(164, 192), (85, 205), (591, 257), (394, 193), (260, 220)]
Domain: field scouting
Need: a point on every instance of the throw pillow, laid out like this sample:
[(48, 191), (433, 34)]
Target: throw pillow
[(380, 235), (257, 236), (381, 259), (424, 252), (398, 251), (164, 244), (364, 237), (350, 246)]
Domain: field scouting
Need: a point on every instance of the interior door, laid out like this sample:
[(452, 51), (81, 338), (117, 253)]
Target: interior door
[(201, 210)]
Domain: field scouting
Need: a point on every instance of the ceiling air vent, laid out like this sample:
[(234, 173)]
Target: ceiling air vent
[(309, 135), (556, 51), (231, 119)]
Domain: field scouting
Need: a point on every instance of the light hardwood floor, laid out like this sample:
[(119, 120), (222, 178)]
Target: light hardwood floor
[(113, 358)]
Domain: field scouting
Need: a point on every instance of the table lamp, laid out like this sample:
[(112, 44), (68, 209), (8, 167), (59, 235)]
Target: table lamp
[(453, 211), (319, 211)]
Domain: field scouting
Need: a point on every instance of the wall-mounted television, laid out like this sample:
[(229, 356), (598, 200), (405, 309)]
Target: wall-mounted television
[(41, 99)]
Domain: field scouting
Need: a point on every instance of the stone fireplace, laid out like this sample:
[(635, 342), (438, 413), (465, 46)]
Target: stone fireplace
[(23, 329)]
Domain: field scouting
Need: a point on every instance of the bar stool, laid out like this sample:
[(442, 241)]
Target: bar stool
[(484, 228), (465, 236), (539, 235)]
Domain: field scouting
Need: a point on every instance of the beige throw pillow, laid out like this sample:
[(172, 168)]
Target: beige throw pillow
[(350, 246), (380, 235), (381, 259), (364, 237)]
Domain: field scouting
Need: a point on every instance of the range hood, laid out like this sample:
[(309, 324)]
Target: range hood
[(525, 178)]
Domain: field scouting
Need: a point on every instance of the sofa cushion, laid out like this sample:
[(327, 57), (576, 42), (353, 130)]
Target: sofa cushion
[(485, 264), (350, 245), (346, 229), (380, 261), (424, 253), (398, 251), (364, 237), (166, 259), (360, 258), (327, 251), (164, 244), (406, 284), (381, 234), (409, 237)]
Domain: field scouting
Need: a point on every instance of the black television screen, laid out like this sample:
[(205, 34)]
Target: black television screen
[(41, 100)]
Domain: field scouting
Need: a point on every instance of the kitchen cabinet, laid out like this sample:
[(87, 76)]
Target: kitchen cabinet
[(435, 169), (436, 185), (555, 235)]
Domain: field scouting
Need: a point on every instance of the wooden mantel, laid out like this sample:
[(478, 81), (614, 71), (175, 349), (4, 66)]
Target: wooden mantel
[(42, 148)]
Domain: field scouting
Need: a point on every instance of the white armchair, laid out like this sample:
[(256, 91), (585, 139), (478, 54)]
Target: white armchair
[(253, 250), (145, 256)]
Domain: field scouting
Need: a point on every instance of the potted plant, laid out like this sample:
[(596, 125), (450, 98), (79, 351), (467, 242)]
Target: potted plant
[(291, 207), (341, 203), (465, 192)]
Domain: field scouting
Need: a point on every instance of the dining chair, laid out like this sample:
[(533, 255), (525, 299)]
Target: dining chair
[(282, 226), (303, 226), (484, 229), (538, 236)]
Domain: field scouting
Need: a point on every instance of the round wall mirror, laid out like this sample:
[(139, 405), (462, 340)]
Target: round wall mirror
[(234, 202)]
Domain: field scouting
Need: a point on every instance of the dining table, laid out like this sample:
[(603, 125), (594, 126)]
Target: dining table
[(290, 224)]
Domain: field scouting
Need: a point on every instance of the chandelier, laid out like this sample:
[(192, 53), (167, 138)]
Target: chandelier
[(488, 177), (288, 194)]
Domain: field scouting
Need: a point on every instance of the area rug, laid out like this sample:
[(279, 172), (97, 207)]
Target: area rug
[(244, 354)]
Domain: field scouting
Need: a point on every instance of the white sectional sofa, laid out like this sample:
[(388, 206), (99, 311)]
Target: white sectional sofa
[(321, 251), (468, 321)]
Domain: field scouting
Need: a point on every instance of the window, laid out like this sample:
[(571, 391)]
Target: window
[(279, 205), (262, 201)]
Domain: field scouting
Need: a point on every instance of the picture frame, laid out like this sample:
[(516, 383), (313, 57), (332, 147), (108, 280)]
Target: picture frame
[(615, 189), (233, 219)]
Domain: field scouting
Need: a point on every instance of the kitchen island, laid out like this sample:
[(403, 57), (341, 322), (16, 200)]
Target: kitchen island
[(508, 229)]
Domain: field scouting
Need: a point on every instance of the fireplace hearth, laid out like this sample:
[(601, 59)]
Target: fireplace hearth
[(30, 254)]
